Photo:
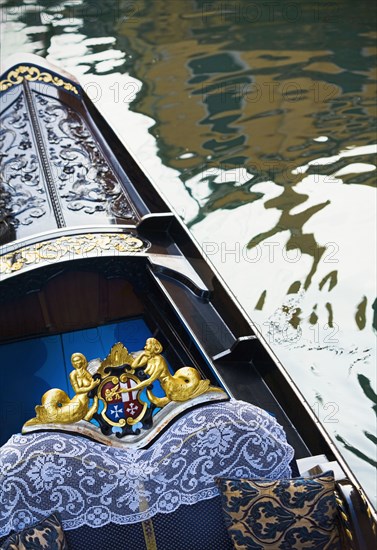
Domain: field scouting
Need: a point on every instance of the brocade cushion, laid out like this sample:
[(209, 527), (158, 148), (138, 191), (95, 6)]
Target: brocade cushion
[(282, 514), (48, 534)]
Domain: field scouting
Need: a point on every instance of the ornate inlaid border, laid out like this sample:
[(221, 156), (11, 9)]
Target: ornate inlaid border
[(31, 73), (69, 248)]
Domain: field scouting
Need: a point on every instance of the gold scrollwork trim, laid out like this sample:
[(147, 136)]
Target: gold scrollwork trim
[(70, 247), (26, 72)]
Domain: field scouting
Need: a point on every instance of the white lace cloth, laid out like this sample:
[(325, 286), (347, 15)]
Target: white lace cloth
[(92, 484)]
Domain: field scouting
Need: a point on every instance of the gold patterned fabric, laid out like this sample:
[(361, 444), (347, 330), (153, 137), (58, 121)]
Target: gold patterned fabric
[(281, 514), (48, 534)]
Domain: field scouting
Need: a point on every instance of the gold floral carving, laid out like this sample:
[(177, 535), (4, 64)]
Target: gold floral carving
[(70, 247), (26, 72)]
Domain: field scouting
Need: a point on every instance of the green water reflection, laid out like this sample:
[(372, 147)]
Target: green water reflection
[(243, 93)]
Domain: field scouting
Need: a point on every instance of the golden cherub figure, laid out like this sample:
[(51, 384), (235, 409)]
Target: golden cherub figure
[(57, 407), (184, 385)]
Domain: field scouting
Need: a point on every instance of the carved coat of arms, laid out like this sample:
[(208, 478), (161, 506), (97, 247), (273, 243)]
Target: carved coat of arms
[(110, 398), (121, 404)]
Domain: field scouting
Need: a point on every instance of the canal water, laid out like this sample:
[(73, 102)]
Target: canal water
[(256, 120)]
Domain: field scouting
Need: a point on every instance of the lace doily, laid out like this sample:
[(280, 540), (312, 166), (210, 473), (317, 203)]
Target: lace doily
[(92, 484)]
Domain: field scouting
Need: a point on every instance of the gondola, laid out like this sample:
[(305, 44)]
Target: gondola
[(118, 338)]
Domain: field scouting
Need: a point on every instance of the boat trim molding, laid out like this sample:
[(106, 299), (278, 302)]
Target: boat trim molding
[(18, 74), (70, 247)]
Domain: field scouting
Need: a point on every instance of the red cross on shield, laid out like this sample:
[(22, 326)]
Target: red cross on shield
[(131, 405)]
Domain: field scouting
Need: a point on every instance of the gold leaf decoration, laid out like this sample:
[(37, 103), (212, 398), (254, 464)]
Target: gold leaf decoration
[(70, 247), (33, 74)]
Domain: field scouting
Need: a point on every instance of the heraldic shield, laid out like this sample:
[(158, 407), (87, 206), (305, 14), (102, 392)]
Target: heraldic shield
[(123, 400), (121, 410), (122, 405)]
